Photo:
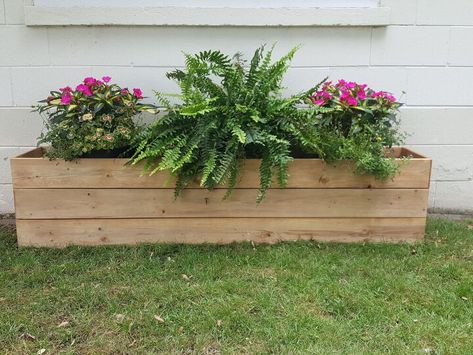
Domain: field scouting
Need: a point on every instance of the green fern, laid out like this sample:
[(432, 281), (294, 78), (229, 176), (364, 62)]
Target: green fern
[(228, 112)]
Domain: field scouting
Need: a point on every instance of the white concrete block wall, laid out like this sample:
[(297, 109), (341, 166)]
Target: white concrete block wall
[(425, 56)]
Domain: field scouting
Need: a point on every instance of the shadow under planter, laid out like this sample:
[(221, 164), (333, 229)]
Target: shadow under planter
[(103, 202)]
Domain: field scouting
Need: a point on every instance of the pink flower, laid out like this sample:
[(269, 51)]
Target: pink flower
[(65, 89), (66, 98), (106, 79), (384, 95), (108, 137), (84, 89), (90, 81), (324, 94), (341, 83), (348, 99), (361, 94), (138, 93), (124, 91), (319, 102), (351, 101), (350, 85)]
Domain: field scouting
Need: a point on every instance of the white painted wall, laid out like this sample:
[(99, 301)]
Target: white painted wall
[(427, 53)]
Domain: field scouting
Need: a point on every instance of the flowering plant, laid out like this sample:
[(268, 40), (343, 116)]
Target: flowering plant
[(95, 116), (356, 122)]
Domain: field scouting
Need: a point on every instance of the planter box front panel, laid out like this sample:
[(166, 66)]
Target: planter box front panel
[(32, 170), (99, 201), (60, 233)]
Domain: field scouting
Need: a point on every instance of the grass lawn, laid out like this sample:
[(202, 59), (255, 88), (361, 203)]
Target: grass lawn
[(291, 298)]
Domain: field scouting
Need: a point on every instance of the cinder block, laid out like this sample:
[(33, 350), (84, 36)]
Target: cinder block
[(5, 87), (438, 125), (432, 191), (6, 199), (14, 12), (461, 46), (2, 13), (440, 86), (163, 46), (19, 127), (454, 195), (410, 45), (444, 12), (403, 12), (301, 79), (35, 83), (23, 46)]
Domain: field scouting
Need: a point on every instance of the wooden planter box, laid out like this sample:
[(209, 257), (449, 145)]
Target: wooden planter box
[(101, 202)]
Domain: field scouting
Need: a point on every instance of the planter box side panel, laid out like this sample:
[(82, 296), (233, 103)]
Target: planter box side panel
[(61, 233)]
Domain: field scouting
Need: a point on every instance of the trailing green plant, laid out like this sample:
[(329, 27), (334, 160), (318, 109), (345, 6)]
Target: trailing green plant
[(96, 116), (228, 112), (357, 123)]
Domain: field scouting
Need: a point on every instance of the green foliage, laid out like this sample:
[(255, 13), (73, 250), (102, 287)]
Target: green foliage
[(95, 116), (356, 123), (228, 112)]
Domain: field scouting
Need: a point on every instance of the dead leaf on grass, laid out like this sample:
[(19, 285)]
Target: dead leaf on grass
[(185, 277), (27, 336), (63, 324), (219, 323), (158, 318), (120, 317), (41, 351)]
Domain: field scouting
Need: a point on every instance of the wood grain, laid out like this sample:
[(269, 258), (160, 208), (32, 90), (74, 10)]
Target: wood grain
[(160, 203), (60, 233), (31, 170)]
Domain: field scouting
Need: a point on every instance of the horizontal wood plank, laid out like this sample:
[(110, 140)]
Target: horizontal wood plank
[(60, 233), (31, 171), (160, 203)]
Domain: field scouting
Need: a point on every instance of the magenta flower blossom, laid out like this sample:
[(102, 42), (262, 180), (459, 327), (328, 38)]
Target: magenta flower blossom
[(65, 89), (347, 98), (319, 102), (384, 95), (361, 94), (66, 98), (350, 94), (138, 93), (106, 79), (125, 91), (90, 81), (350, 85), (84, 89)]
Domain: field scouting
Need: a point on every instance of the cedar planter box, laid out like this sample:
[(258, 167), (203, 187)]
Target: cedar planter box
[(101, 202)]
